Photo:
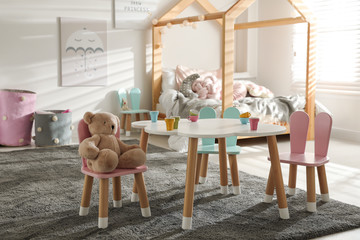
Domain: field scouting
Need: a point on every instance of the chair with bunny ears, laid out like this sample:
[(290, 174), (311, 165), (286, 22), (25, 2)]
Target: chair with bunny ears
[(299, 122)]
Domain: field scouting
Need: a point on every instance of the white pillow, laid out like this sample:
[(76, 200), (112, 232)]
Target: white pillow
[(168, 79)]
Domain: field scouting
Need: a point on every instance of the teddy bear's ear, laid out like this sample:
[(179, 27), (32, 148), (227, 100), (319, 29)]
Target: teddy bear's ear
[(87, 117)]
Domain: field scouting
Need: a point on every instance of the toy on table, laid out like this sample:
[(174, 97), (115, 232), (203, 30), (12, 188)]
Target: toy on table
[(193, 115), (103, 150), (244, 117)]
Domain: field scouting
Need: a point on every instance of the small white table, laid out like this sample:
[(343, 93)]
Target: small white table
[(221, 128)]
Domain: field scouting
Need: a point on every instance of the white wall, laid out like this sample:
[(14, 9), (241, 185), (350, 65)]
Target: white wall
[(29, 55), (274, 71)]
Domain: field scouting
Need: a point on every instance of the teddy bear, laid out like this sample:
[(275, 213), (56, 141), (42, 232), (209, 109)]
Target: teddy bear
[(103, 150)]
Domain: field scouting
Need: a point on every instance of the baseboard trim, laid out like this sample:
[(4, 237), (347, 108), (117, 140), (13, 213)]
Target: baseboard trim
[(346, 134)]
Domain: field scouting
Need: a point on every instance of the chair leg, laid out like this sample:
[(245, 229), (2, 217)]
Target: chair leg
[(197, 172), (234, 174), (323, 183), (144, 201), (103, 202), (122, 123), (270, 186), (292, 179), (86, 196), (137, 116), (311, 197), (134, 193), (117, 201), (203, 168), (146, 116), (128, 125)]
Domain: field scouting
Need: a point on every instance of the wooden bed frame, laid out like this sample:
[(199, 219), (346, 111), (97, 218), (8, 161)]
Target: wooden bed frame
[(227, 22)]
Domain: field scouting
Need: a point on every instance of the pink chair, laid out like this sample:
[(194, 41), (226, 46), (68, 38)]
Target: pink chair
[(83, 132), (299, 122)]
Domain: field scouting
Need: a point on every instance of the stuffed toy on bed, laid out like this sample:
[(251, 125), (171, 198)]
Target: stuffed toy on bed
[(103, 150)]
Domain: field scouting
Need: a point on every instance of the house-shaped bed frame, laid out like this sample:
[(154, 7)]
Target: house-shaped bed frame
[(227, 22)]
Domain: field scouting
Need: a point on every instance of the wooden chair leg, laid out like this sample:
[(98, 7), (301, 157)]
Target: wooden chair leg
[(234, 174), (197, 172), (292, 179), (137, 116), (146, 116), (270, 186), (134, 193), (103, 203), (117, 201), (203, 168), (144, 201), (86, 195), (310, 182), (122, 123), (128, 125), (323, 183), (223, 166)]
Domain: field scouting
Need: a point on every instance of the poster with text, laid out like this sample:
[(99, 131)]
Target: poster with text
[(134, 14), (83, 52)]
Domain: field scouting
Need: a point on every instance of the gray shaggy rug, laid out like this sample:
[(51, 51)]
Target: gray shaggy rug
[(40, 192)]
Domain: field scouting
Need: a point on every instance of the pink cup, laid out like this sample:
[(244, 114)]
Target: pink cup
[(254, 123), (193, 118)]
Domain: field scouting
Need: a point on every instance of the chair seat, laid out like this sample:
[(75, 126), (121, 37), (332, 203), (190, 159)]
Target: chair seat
[(306, 159), (115, 173), (134, 111), (214, 149)]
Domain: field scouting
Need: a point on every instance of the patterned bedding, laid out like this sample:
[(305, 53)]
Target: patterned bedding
[(275, 109)]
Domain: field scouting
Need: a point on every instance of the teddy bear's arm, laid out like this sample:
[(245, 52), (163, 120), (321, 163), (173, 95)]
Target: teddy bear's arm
[(88, 148), (125, 147)]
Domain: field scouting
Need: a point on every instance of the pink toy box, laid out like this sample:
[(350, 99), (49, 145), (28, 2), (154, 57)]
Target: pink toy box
[(17, 108)]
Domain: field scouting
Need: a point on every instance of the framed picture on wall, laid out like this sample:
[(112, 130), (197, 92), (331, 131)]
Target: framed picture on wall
[(134, 14), (83, 52)]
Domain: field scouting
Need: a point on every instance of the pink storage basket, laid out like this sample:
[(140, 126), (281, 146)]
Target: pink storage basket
[(17, 108)]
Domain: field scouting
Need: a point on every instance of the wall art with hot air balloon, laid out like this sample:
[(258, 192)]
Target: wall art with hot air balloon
[(83, 52)]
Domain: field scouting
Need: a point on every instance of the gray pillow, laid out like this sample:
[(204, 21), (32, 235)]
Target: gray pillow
[(185, 87)]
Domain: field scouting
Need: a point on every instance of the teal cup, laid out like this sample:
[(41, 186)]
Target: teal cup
[(154, 116)]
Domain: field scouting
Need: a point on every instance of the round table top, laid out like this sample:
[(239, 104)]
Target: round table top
[(210, 128)]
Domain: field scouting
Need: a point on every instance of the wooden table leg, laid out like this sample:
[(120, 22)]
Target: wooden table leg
[(269, 193), (223, 166), (189, 184), (144, 138), (277, 175)]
